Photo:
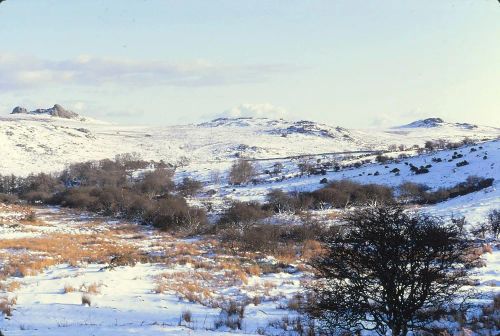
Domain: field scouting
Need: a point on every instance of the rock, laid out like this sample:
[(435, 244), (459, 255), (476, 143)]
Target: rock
[(19, 109), (55, 111)]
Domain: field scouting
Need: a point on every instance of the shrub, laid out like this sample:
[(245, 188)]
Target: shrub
[(419, 193), (342, 193), (241, 172), (108, 188), (156, 182), (412, 192), (69, 289), (243, 212), (279, 201), (7, 305), (8, 198), (189, 186), (382, 158), (174, 213)]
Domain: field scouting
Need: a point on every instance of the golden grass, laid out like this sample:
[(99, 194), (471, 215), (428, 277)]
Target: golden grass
[(11, 286), (7, 305), (93, 288), (311, 249), (68, 289), (254, 270), (42, 252)]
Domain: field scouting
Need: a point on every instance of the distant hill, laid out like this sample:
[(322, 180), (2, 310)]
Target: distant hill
[(436, 122), (49, 139), (55, 111)]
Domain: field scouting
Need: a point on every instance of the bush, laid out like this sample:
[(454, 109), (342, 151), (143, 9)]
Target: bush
[(108, 188), (173, 213), (189, 186), (241, 172), (86, 300), (8, 198), (243, 213), (156, 182), (382, 158), (412, 192), (272, 238), (342, 193), (279, 201)]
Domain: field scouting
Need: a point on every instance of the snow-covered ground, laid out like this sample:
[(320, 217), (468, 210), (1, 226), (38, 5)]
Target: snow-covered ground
[(42, 143), (441, 174), (150, 298)]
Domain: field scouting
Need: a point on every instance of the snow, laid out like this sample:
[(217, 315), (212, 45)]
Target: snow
[(442, 174), (127, 303), (36, 143)]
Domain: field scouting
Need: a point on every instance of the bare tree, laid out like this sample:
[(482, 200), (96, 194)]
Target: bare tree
[(389, 271)]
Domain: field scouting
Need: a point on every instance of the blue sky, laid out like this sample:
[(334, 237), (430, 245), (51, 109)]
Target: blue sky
[(346, 62)]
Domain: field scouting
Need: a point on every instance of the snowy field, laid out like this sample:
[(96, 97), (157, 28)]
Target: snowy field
[(66, 272), (178, 278), (42, 143)]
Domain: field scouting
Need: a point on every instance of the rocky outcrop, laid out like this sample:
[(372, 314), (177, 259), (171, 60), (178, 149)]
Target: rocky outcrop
[(55, 111), (19, 109)]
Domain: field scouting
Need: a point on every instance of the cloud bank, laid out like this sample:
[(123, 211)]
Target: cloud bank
[(22, 72), (265, 110)]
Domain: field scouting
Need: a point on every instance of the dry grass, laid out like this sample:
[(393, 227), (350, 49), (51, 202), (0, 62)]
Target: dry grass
[(68, 289), (7, 305), (10, 286), (254, 270), (13, 286), (93, 288), (487, 248), (210, 267), (311, 249), (45, 251)]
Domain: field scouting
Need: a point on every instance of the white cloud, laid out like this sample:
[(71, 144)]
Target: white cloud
[(20, 72), (255, 110)]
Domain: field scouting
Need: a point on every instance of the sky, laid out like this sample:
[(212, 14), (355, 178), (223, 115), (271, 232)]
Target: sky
[(353, 63)]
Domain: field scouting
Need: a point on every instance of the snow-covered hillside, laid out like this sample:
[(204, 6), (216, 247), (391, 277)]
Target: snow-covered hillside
[(34, 143), (155, 296)]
